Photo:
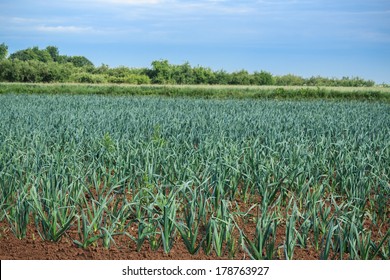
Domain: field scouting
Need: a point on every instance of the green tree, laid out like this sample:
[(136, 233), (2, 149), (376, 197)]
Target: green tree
[(80, 61), (32, 54), (289, 80), (53, 52), (240, 78), (3, 51), (262, 78), (5, 70), (183, 74), (203, 76), (102, 69), (222, 77), (120, 72), (161, 72)]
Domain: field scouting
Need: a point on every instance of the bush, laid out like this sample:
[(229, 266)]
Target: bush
[(47, 65), (88, 78), (133, 79)]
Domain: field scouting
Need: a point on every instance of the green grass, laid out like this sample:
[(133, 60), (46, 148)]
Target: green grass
[(253, 92)]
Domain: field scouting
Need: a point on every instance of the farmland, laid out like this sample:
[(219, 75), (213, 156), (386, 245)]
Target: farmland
[(213, 178)]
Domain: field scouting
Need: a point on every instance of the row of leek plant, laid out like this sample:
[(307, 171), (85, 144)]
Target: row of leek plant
[(102, 165), (336, 229)]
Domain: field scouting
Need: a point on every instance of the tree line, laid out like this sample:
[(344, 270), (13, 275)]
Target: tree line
[(34, 65)]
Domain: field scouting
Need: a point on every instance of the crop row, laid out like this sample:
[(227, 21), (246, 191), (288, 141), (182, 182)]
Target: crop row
[(312, 175)]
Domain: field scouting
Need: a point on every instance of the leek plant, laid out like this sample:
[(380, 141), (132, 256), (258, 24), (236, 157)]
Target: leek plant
[(189, 230), (264, 244), (18, 216), (156, 169), (291, 235)]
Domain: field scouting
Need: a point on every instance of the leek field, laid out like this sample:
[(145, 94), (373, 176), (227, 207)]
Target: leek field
[(264, 179)]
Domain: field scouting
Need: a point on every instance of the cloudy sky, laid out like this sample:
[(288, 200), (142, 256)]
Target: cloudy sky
[(332, 38)]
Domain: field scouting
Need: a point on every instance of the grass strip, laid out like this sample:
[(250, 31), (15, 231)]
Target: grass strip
[(217, 92)]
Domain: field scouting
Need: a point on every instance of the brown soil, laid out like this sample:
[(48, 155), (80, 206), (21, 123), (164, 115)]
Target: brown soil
[(34, 248)]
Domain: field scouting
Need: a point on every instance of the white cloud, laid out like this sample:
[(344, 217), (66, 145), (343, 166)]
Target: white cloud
[(64, 29), (21, 20)]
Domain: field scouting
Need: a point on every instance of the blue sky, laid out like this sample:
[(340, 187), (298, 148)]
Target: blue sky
[(331, 38)]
